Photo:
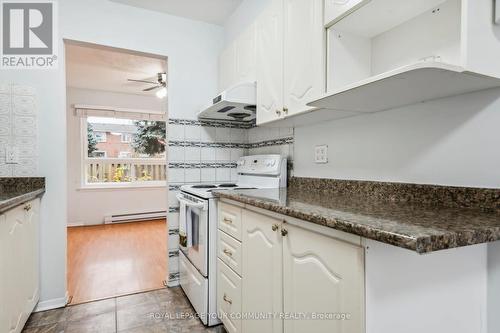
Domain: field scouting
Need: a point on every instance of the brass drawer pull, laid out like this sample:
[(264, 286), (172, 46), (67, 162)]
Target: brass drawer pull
[(27, 207), (275, 227), (284, 232), (227, 252), (227, 300), (228, 221)]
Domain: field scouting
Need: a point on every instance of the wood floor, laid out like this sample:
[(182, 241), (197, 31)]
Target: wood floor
[(112, 260)]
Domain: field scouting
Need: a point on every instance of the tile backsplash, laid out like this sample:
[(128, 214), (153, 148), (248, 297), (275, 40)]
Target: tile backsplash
[(18, 129), (207, 151)]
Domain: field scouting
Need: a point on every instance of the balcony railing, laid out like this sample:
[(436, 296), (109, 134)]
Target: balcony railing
[(125, 170)]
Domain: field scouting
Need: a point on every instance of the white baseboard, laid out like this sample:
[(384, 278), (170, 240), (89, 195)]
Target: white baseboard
[(50, 304)]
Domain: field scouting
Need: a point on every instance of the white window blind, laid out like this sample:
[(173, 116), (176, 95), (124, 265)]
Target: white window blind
[(83, 110)]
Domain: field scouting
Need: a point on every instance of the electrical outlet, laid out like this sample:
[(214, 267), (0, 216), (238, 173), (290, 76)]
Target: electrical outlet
[(11, 155), (321, 154)]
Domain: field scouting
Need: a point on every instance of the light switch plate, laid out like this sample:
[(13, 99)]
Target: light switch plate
[(321, 154), (11, 155)]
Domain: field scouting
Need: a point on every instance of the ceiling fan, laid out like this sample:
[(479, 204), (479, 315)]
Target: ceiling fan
[(161, 83)]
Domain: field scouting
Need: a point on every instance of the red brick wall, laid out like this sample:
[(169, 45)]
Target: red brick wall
[(114, 145)]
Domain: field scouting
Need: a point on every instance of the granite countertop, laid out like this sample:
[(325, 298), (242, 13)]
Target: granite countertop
[(411, 224), (15, 191)]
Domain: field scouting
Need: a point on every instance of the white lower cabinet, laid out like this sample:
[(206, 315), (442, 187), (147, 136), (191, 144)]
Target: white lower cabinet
[(288, 271), (229, 297), (19, 277), (262, 272), (322, 276)]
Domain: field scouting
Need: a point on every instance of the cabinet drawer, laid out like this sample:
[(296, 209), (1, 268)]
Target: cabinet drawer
[(230, 220), (228, 297), (229, 251), (337, 9)]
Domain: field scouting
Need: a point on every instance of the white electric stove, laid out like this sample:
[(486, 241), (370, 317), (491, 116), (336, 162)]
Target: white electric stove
[(198, 227)]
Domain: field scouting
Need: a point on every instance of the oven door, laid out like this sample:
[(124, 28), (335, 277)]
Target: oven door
[(193, 230)]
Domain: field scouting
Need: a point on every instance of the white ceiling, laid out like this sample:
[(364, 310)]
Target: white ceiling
[(211, 11), (100, 68)]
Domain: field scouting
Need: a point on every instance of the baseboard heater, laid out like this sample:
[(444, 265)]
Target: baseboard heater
[(122, 218)]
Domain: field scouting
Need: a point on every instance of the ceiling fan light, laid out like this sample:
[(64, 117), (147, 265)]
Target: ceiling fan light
[(162, 93)]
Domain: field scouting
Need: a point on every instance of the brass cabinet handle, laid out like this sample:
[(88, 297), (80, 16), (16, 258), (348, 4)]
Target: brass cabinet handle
[(285, 110), (275, 227), (27, 207), (227, 252), (278, 112), (284, 232), (227, 300), (228, 221)]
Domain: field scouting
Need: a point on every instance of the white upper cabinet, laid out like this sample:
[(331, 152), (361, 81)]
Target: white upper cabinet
[(304, 71), (227, 67), (269, 63), (336, 9), (322, 275), (237, 60), (384, 54)]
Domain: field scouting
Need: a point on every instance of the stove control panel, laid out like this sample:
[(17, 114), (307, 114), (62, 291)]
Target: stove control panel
[(261, 165)]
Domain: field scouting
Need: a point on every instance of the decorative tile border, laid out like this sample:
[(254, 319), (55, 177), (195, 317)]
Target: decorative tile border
[(201, 165), (211, 123), (175, 187), (274, 142), (207, 144), (173, 209), (266, 143), (173, 232)]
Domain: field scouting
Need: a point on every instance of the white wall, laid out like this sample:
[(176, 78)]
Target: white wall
[(452, 141), (192, 48), (438, 292), (105, 201)]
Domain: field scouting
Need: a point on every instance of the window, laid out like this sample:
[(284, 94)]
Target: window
[(127, 137), (123, 152), (100, 136)]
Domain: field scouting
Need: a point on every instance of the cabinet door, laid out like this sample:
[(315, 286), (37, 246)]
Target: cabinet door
[(262, 290), (336, 9), (305, 52), (245, 56), (18, 266), (322, 275), (227, 67), (270, 63)]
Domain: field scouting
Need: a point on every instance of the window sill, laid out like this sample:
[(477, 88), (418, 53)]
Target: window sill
[(125, 186)]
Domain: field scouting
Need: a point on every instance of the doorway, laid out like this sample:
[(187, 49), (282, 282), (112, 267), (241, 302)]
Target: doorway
[(117, 190)]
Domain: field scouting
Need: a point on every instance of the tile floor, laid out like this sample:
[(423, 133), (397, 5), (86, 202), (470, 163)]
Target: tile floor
[(138, 313)]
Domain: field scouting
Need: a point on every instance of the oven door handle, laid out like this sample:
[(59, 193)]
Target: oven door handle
[(201, 205)]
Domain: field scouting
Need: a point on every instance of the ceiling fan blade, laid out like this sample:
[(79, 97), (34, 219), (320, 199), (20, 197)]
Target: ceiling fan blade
[(151, 88), (143, 81)]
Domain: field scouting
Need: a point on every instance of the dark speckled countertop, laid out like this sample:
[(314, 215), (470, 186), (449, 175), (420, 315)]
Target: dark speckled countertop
[(15, 191), (417, 224)]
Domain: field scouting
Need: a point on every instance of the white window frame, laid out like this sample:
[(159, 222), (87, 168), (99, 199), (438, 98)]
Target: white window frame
[(124, 135), (123, 185)]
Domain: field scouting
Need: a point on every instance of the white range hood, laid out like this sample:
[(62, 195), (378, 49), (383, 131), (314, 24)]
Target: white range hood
[(237, 103)]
